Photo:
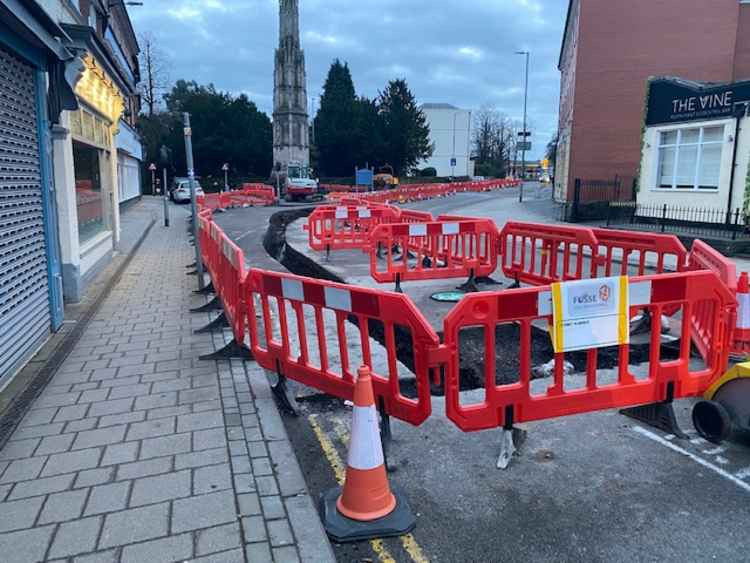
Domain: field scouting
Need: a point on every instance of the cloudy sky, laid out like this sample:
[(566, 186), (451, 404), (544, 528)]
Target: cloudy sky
[(455, 52)]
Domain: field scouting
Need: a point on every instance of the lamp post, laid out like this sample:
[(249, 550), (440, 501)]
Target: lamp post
[(188, 133), (152, 168), (524, 132), (225, 168), (165, 198)]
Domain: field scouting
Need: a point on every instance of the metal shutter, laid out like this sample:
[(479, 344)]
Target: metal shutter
[(24, 294)]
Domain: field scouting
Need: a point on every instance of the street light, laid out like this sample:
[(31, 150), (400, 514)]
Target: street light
[(225, 168), (152, 168), (524, 133)]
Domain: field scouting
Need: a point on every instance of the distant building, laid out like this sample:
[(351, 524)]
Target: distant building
[(450, 132), (609, 51)]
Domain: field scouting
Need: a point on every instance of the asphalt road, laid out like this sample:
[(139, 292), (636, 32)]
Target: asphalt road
[(594, 487)]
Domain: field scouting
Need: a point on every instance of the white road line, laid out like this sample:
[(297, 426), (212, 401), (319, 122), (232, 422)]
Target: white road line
[(708, 465)]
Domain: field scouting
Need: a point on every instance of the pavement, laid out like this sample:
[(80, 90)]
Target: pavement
[(594, 487), (136, 450)]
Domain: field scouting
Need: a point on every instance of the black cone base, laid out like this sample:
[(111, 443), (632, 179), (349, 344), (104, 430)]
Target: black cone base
[(344, 530), (657, 415)]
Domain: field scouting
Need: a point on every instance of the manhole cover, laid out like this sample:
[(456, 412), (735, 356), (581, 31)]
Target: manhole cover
[(448, 296)]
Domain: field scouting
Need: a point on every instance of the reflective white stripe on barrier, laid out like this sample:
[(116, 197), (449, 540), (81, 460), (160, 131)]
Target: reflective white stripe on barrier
[(743, 310), (639, 294), (365, 449), (342, 213), (450, 228), (292, 289), (417, 230), (364, 213), (337, 298), (228, 252)]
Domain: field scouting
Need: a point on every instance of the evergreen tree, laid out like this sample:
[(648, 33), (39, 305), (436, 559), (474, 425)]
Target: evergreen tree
[(404, 128), (334, 124)]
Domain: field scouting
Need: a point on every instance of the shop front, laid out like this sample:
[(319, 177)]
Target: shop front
[(696, 149), (86, 168), (32, 92), (129, 157)]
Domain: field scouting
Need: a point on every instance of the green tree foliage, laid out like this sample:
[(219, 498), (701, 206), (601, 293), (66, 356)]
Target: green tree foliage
[(334, 124), (225, 129), (352, 131), (404, 127)]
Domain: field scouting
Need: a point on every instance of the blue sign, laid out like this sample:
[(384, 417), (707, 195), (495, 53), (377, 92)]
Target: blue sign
[(364, 177), (453, 161)]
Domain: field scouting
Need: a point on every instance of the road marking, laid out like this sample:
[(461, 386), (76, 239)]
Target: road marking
[(743, 473), (699, 460), (408, 541), (339, 471)]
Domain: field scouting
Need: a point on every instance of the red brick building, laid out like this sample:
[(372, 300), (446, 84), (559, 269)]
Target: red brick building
[(609, 51)]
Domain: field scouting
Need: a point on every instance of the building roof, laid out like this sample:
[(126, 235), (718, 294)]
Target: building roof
[(438, 106)]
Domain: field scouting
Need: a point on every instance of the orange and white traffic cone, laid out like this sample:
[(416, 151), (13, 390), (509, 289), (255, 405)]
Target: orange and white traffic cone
[(366, 507), (741, 337)]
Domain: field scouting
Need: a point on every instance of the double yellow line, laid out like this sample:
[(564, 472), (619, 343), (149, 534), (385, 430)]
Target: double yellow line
[(408, 541)]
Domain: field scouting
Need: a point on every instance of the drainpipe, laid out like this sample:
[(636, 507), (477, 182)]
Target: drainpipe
[(739, 113)]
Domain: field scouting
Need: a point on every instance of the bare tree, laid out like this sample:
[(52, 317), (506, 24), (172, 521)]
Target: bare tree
[(494, 141), (154, 70)]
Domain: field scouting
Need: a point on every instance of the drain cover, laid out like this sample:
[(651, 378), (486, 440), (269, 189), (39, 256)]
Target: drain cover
[(448, 296)]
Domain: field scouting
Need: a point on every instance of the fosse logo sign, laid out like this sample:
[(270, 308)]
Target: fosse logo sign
[(590, 314), (587, 300)]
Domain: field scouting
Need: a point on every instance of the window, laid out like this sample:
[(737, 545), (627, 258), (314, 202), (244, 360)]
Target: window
[(88, 191), (690, 159)]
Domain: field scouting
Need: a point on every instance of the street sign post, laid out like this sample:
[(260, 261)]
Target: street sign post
[(193, 203)]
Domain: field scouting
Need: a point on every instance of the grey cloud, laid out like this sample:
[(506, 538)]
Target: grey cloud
[(456, 52)]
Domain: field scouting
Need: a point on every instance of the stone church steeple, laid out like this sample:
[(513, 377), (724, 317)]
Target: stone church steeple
[(290, 119)]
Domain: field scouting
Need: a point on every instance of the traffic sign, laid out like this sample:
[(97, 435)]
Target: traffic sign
[(152, 167), (453, 161), (225, 167), (524, 145), (524, 133)]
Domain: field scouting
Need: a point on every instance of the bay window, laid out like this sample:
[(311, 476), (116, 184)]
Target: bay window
[(690, 158)]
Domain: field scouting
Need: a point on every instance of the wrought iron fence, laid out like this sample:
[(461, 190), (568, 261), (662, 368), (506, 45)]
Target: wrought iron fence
[(682, 220), (591, 197)]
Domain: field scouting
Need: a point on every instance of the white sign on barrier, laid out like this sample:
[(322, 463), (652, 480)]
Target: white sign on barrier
[(590, 314), (342, 213)]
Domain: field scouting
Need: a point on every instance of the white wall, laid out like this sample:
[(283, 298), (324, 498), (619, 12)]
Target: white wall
[(649, 194), (441, 122)]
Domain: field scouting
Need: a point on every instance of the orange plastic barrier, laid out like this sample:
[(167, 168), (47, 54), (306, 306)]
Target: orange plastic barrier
[(229, 284), (345, 227), (632, 248), (433, 250), (531, 252), (414, 216), (704, 257), (517, 402), (304, 334)]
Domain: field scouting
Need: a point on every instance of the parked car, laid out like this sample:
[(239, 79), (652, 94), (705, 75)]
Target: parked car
[(180, 192)]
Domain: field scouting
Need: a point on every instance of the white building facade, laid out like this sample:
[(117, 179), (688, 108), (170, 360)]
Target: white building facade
[(696, 148), (450, 133)]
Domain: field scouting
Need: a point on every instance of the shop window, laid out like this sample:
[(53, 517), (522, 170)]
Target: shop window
[(690, 159), (88, 191)]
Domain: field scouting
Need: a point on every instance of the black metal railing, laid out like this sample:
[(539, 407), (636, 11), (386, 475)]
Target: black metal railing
[(681, 220), (591, 197)]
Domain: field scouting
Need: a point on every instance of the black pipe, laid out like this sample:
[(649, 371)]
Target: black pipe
[(739, 113)]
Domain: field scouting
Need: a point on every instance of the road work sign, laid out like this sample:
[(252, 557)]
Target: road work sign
[(590, 314)]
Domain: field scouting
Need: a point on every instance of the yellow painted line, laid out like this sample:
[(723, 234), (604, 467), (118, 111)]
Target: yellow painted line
[(408, 541), (339, 470)]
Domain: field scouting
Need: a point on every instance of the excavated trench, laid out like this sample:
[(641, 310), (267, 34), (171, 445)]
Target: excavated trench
[(472, 340)]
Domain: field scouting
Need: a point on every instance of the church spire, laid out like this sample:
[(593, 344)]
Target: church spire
[(289, 21)]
